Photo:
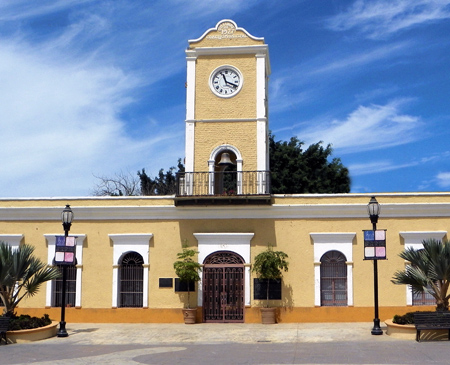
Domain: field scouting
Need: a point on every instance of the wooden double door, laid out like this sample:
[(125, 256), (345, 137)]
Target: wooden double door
[(223, 288)]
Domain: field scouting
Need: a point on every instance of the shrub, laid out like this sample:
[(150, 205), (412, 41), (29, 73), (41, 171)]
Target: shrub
[(25, 322), (407, 318)]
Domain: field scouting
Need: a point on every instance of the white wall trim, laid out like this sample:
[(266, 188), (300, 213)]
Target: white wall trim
[(123, 243), (275, 211), (234, 242), (51, 242), (12, 240), (329, 241), (413, 239)]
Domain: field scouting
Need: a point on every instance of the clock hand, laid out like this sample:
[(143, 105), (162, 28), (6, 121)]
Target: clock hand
[(224, 78), (230, 83)]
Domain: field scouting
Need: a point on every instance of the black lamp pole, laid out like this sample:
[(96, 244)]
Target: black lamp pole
[(66, 217), (373, 209)]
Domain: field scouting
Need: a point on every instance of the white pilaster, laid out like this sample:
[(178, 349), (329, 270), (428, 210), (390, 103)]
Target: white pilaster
[(261, 117), (190, 112)]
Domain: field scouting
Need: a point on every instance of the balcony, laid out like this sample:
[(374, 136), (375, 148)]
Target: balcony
[(223, 187)]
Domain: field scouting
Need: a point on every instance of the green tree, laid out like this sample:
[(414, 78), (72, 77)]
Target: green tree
[(187, 269), (298, 171), (428, 271), (269, 265), (21, 275), (165, 183)]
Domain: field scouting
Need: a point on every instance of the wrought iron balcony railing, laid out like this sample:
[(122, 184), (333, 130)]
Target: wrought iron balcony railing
[(223, 183)]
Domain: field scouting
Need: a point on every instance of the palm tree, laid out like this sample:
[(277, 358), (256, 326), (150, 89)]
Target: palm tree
[(21, 275), (428, 272)]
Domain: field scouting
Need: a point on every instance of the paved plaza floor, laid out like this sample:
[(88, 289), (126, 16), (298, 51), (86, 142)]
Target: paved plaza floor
[(292, 343)]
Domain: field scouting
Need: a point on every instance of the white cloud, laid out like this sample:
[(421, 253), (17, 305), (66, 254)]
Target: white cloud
[(367, 128), (443, 179), (359, 169), (60, 122), (69, 70), (378, 18)]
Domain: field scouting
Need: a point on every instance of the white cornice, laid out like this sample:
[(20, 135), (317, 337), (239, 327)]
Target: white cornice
[(416, 237), (226, 120), (257, 50), (277, 211), (332, 237), (260, 50)]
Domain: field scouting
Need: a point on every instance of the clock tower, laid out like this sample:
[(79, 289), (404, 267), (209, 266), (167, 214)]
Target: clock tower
[(226, 110)]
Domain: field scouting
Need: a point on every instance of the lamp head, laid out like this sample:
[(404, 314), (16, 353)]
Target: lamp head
[(67, 218), (373, 209)]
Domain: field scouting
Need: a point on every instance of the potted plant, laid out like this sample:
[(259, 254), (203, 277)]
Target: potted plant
[(187, 270), (269, 265)]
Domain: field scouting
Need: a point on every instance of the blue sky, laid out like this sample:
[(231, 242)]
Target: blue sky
[(94, 88)]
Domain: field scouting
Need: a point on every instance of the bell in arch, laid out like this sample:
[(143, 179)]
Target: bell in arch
[(225, 160)]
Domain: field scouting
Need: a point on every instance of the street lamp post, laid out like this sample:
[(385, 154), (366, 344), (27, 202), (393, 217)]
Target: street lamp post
[(373, 208), (66, 217)]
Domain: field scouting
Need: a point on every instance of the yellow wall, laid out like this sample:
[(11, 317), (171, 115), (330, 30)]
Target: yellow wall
[(291, 235), (210, 106), (210, 135)]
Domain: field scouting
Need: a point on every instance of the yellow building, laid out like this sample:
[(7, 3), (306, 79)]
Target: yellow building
[(126, 246)]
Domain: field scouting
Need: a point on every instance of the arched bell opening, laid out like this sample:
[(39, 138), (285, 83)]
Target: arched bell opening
[(225, 171)]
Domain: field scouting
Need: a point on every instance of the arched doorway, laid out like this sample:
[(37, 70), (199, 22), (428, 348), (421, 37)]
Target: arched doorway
[(223, 287)]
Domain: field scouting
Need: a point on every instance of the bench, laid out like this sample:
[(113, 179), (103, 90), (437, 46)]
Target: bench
[(431, 321), (4, 324)]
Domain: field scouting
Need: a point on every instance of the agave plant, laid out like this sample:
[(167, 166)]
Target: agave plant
[(428, 271), (21, 275)]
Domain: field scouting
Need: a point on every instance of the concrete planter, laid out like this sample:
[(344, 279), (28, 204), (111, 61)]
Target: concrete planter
[(268, 315), (403, 331), (34, 334), (408, 332), (189, 315)]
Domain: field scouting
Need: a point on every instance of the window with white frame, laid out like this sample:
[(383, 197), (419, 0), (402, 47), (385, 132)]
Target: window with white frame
[(71, 287), (131, 280), (333, 279), (414, 239), (131, 244), (12, 240), (74, 274), (341, 243)]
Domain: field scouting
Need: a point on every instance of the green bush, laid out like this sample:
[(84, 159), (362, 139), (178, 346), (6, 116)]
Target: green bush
[(407, 318), (25, 322)]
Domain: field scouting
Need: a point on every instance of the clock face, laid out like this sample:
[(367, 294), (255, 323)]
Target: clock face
[(226, 81)]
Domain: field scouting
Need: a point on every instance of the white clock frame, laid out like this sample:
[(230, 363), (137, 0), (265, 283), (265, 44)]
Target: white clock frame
[(224, 67)]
